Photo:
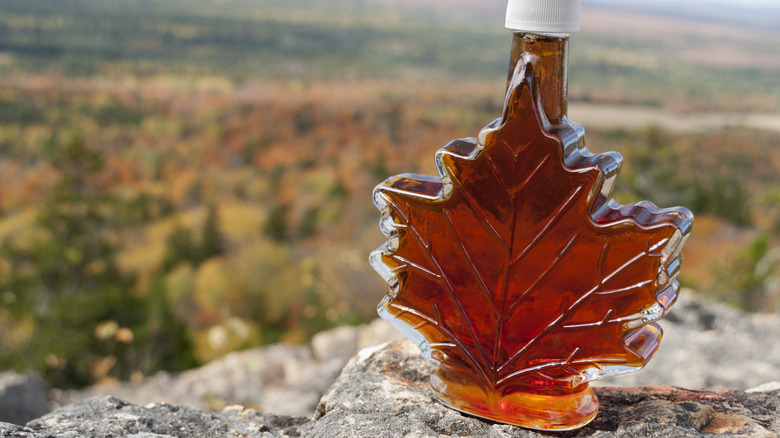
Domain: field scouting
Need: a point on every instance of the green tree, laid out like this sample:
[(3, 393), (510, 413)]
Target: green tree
[(69, 275), (277, 227), (740, 282), (654, 159), (180, 248), (87, 322), (172, 345), (211, 242)]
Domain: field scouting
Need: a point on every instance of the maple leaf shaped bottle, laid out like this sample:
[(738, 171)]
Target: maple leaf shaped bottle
[(514, 269)]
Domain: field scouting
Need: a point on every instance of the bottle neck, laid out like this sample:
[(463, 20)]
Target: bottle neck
[(551, 52)]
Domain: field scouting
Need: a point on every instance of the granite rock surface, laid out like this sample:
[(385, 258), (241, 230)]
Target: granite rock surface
[(283, 390), (705, 346), (22, 397), (104, 417), (710, 345), (282, 379), (383, 392)]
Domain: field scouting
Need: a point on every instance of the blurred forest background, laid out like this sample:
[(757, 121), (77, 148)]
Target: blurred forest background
[(182, 178)]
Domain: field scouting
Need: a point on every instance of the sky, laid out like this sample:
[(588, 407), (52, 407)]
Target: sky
[(760, 13), (745, 4)]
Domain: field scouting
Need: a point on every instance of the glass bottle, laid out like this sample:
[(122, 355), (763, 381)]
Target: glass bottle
[(514, 269)]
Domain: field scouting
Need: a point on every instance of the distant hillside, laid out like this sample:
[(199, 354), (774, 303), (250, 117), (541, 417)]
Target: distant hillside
[(624, 54), (755, 13)]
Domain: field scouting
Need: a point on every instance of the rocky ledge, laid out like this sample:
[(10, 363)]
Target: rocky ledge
[(705, 346), (383, 392)]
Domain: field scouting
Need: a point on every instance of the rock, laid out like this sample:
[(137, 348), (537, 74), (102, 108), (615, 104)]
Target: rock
[(244, 377), (766, 387), (377, 332), (336, 343), (705, 345), (22, 397), (283, 379), (710, 345), (104, 417), (289, 402), (384, 392)]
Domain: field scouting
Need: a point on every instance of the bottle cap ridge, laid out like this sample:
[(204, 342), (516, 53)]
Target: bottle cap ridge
[(543, 15)]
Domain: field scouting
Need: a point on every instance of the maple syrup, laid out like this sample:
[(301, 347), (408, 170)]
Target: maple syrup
[(515, 269)]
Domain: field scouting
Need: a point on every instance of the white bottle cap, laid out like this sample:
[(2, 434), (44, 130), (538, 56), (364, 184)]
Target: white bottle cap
[(555, 16)]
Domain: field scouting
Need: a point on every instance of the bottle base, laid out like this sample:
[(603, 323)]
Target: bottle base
[(528, 410)]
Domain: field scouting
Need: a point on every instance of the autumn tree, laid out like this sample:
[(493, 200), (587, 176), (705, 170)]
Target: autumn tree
[(87, 322)]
